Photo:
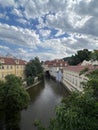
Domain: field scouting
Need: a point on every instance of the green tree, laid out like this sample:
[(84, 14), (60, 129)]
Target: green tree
[(13, 98), (30, 70), (37, 63), (33, 69), (93, 82), (79, 57), (94, 55)]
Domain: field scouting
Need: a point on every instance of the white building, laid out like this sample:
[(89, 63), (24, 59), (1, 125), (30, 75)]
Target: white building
[(54, 67), (90, 62), (72, 78)]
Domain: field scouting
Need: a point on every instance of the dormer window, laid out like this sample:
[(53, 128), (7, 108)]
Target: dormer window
[(2, 61), (17, 61), (60, 64)]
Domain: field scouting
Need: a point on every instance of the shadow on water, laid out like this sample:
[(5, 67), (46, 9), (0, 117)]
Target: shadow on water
[(35, 91)]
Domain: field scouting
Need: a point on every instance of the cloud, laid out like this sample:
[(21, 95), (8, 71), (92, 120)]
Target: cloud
[(19, 36), (17, 12), (45, 33), (4, 16), (4, 47), (7, 3), (77, 18), (23, 21)]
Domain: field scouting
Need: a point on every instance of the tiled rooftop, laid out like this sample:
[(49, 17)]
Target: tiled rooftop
[(11, 61)]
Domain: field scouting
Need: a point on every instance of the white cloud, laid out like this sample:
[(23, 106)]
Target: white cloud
[(45, 33), (78, 18), (21, 50), (7, 3), (60, 32), (4, 16), (17, 35), (4, 47), (23, 21), (17, 12)]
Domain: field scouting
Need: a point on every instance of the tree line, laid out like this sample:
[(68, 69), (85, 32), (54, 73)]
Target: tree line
[(82, 55)]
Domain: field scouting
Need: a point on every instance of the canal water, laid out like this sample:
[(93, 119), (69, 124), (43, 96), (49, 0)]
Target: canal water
[(44, 98)]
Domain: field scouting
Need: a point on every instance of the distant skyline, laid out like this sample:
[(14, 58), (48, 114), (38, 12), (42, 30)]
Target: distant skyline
[(49, 29)]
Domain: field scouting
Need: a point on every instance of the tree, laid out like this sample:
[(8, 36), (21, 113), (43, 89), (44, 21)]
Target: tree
[(13, 98), (79, 57), (33, 69), (30, 70), (37, 63), (93, 82), (94, 55)]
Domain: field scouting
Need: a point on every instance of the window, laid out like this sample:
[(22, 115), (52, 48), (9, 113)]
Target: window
[(7, 67), (11, 67), (2, 67), (60, 64)]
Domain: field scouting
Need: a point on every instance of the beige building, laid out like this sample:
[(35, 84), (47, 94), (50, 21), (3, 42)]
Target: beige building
[(71, 78), (10, 65)]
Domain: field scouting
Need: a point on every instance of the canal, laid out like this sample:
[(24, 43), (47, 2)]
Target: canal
[(44, 98)]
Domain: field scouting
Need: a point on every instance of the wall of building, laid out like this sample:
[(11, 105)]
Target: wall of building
[(72, 80), (11, 66), (17, 70), (53, 71)]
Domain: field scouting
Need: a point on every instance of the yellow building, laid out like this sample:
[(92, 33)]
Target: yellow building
[(10, 65)]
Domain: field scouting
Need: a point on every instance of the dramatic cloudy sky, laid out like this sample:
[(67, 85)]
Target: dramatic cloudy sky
[(48, 29)]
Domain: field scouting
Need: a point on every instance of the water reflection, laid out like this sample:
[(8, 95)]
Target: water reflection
[(44, 99), (35, 91)]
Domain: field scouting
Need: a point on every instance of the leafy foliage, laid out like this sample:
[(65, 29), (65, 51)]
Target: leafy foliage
[(84, 71), (13, 99), (79, 57), (33, 69), (94, 55), (30, 80)]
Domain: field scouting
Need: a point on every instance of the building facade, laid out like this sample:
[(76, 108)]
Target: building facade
[(9, 65), (72, 78), (55, 68)]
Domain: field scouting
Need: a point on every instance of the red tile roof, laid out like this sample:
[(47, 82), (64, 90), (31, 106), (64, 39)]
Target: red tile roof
[(11, 61), (56, 63), (79, 68)]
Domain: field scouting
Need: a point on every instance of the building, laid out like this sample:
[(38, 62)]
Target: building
[(90, 62), (72, 78), (69, 75), (9, 65), (55, 68)]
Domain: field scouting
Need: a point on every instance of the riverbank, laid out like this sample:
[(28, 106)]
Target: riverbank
[(33, 85)]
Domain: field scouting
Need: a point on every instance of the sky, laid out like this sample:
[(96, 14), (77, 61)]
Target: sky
[(48, 29)]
